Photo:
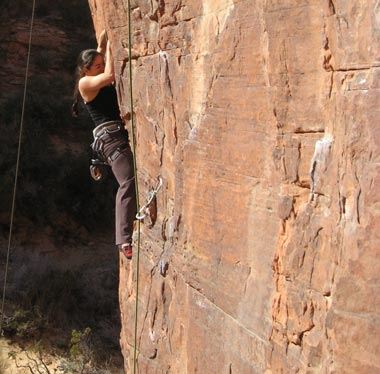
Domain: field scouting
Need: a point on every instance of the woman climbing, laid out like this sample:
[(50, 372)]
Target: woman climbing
[(95, 88)]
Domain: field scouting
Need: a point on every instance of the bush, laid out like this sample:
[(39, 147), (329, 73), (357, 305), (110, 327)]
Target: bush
[(46, 295), (24, 323)]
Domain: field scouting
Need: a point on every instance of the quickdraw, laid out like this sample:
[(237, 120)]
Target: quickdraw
[(99, 162), (144, 211)]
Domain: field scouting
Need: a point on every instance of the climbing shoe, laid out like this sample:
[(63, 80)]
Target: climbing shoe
[(126, 250)]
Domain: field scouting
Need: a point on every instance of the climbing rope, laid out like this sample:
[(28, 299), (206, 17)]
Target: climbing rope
[(17, 169), (136, 183)]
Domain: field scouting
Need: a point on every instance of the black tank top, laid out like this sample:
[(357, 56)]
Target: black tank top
[(104, 107)]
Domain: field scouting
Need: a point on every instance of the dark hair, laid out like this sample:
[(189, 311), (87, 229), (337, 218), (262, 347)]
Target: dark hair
[(85, 60)]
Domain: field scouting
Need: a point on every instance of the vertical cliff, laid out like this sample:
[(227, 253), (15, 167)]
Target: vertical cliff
[(263, 119)]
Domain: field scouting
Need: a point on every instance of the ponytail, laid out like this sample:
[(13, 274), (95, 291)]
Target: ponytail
[(76, 97)]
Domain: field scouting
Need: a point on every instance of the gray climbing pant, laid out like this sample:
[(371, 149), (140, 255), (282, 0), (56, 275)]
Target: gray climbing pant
[(117, 152)]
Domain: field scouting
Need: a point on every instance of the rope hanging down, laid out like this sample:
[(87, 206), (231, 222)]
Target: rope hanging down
[(136, 182), (141, 212), (17, 168)]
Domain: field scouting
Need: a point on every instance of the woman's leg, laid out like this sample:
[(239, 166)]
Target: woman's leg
[(125, 202)]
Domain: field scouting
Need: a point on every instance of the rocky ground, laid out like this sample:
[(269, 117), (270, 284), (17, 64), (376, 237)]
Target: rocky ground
[(14, 360), (17, 360), (53, 292)]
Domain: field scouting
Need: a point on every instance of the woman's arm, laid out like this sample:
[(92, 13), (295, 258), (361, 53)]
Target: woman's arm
[(90, 85), (102, 42)]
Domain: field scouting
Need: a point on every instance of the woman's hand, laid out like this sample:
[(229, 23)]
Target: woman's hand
[(102, 42), (89, 85)]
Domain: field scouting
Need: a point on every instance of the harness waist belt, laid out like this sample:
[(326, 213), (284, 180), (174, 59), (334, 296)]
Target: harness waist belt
[(107, 128)]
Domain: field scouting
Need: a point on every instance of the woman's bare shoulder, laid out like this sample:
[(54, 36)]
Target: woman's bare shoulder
[(94, 83), (86, 89)]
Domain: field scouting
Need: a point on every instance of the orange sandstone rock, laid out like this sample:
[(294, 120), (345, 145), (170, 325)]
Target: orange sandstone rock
[(262, 118)]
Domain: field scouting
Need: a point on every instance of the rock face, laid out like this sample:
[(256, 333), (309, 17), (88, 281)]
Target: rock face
[(262, 117)]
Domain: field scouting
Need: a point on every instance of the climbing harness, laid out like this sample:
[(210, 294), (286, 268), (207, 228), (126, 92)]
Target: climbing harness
[(107, 128), (103, 134), (144, 211), (17, 168)]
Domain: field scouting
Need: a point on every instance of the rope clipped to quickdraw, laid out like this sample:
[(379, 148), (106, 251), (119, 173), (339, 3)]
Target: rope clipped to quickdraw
[(144, 210), (17, 169), (136, 182)]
